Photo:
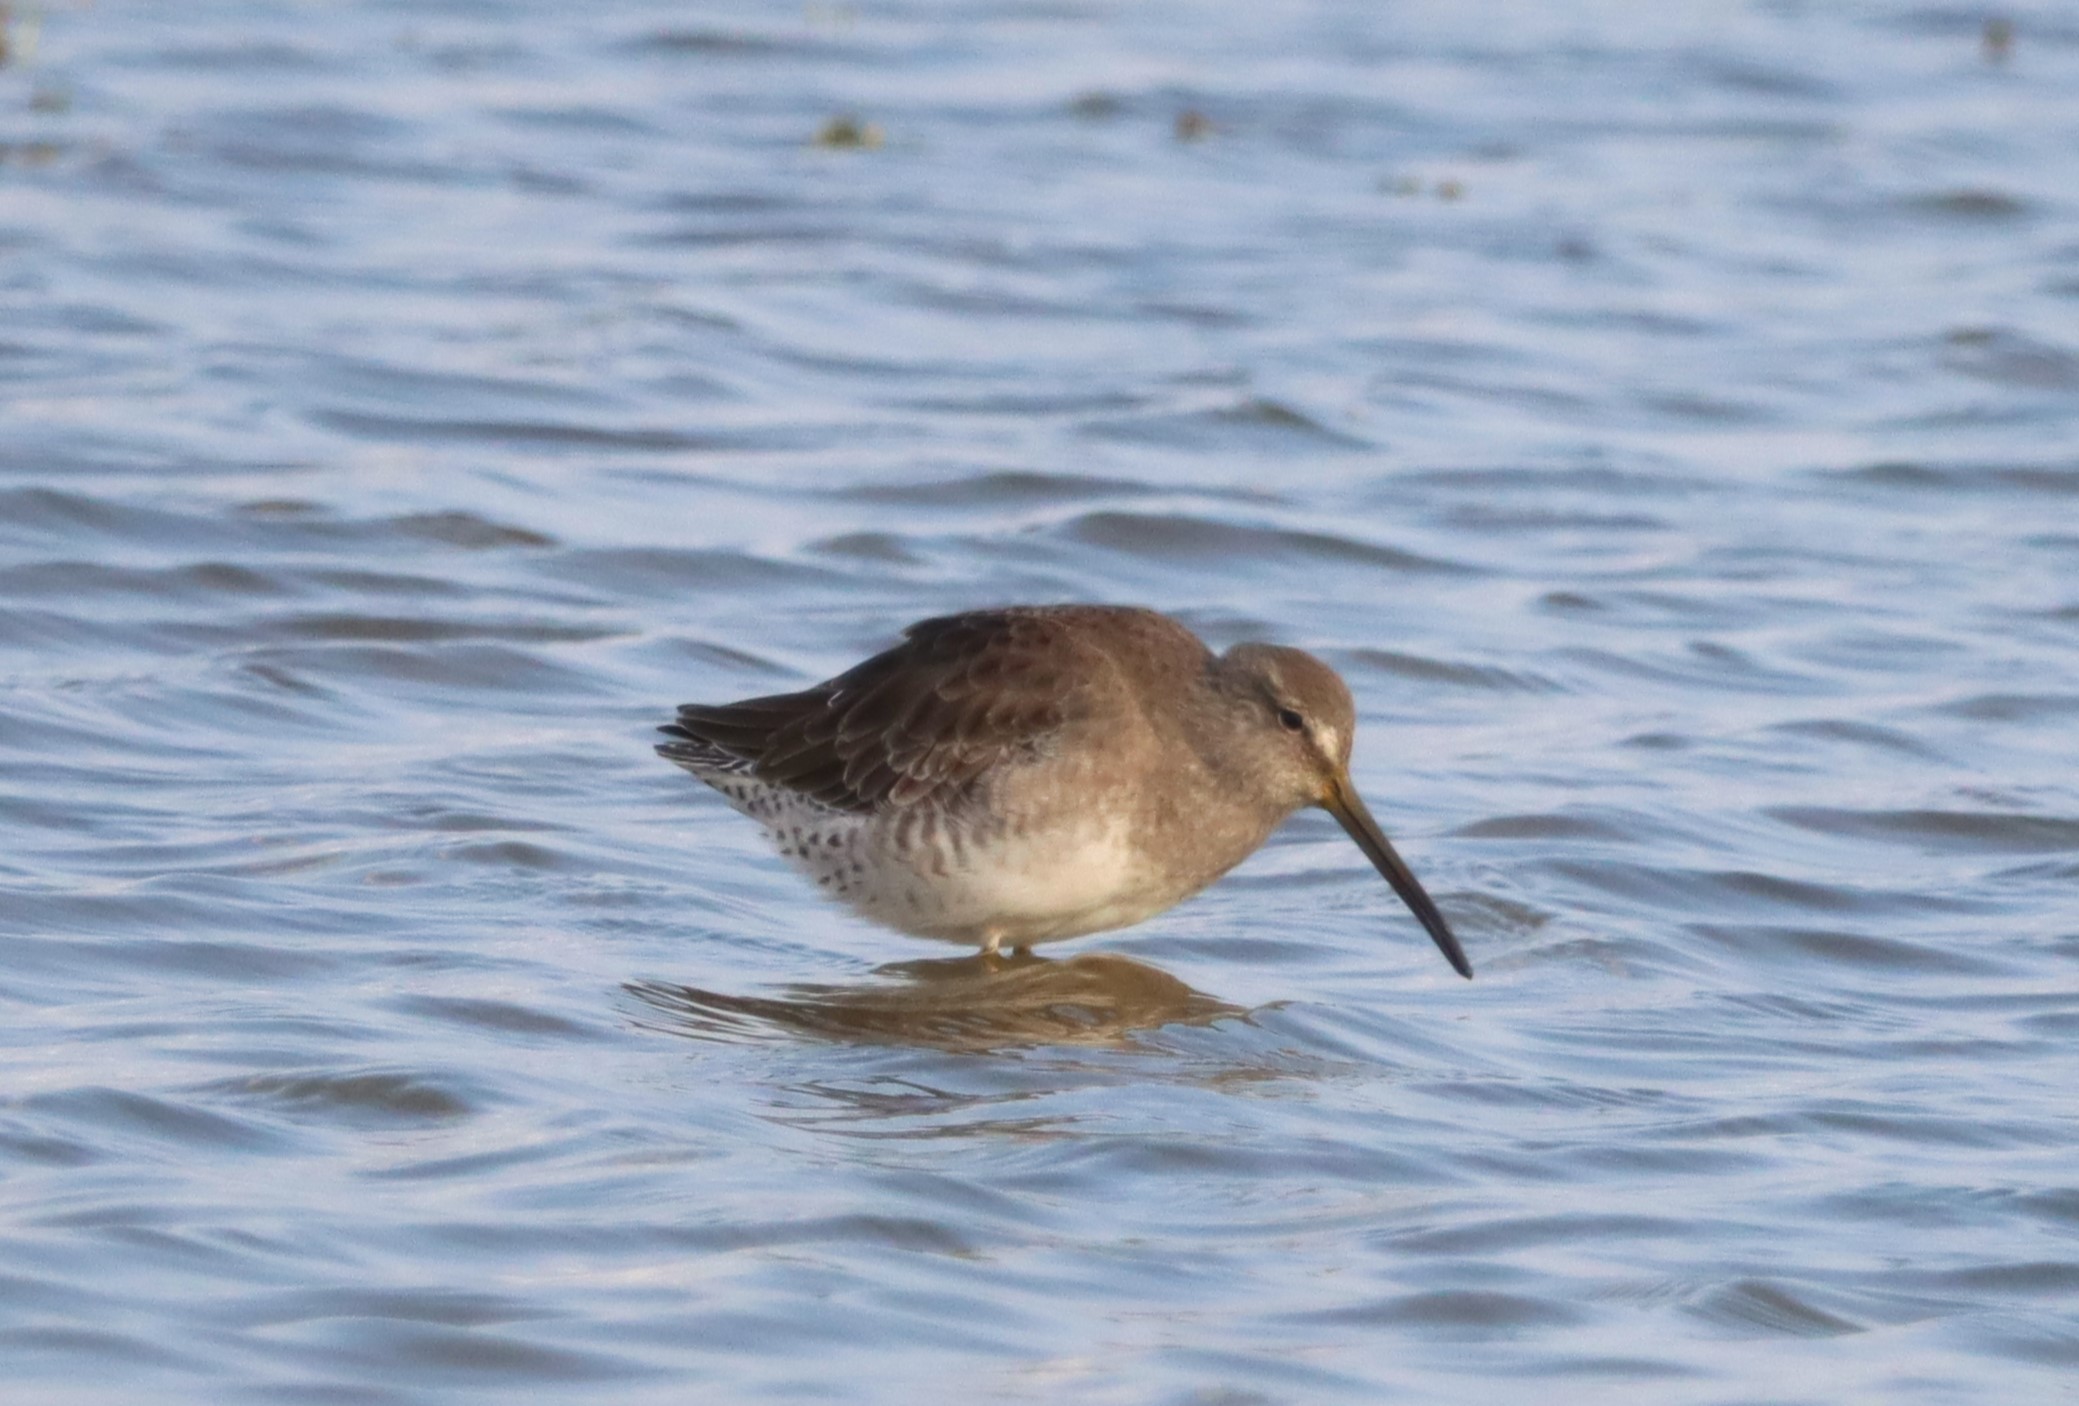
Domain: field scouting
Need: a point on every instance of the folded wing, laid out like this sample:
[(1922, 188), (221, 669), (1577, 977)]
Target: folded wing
[(918, 722)]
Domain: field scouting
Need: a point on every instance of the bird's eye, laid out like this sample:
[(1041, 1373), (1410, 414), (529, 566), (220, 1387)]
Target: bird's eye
[(1291, 721)]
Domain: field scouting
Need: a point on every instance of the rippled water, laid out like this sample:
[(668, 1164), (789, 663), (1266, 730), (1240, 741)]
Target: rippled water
[(1665, 416)]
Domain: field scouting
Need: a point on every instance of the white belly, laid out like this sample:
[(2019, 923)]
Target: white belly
[(1064, 883), (1058, 886), (919, 877)]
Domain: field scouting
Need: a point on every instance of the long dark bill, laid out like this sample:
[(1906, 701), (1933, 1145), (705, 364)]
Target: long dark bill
[(1343, 803)]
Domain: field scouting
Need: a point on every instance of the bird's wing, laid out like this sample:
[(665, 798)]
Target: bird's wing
[(959, 695)]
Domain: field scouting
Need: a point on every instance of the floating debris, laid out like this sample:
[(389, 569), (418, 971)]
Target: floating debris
[(1407, 187), (1971, 203), (1193, 125), (1997, 40), (19, 31), (1095, 105), (30, 153), (848, 132)]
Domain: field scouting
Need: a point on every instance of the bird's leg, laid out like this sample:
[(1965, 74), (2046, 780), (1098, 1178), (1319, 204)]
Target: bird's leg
[(992, 956)]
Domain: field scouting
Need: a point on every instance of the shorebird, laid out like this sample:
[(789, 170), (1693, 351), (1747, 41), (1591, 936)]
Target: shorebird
[(1027, 774)]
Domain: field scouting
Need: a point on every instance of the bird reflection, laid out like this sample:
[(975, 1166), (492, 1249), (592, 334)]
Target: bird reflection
[(982, 1002)]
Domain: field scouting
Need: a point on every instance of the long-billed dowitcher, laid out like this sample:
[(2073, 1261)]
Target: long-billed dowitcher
[(1022, 775)]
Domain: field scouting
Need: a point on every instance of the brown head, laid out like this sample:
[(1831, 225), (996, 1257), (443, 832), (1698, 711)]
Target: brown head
[(1297, 705)]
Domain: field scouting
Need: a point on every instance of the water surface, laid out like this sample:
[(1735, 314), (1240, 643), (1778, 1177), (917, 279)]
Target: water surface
[(1664, 416)]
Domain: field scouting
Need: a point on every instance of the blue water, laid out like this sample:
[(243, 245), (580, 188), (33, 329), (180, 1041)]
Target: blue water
[(1663, 416)]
